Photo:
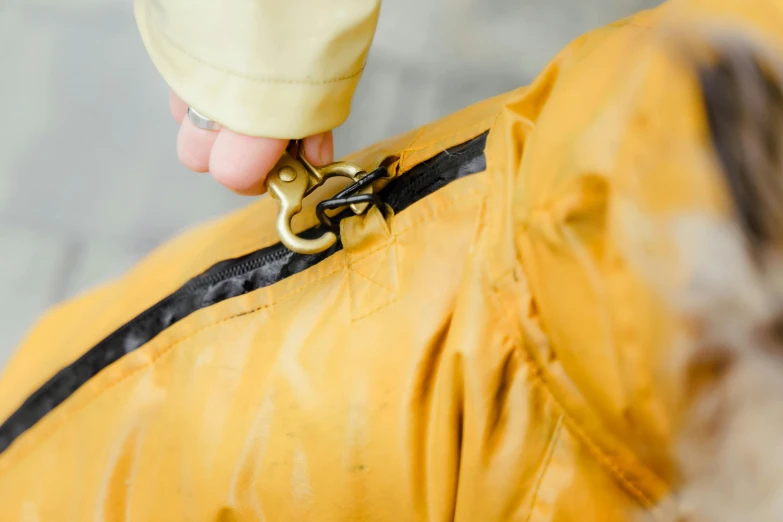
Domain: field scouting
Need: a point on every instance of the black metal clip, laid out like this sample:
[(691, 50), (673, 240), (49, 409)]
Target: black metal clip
[(355, 196)]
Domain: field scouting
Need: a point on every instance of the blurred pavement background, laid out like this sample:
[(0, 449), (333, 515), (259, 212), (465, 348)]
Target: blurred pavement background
[(89, 180)]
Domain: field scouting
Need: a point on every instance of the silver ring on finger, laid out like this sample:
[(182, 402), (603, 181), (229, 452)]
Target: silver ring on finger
[(200, 121)]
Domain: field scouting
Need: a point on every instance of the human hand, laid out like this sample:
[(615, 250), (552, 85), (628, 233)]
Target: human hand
[(240, 163)]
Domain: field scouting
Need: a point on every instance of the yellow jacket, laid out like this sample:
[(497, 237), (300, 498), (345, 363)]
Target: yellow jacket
[(492, 351)]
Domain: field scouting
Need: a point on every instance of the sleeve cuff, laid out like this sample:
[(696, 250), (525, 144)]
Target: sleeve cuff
[(262, 107)]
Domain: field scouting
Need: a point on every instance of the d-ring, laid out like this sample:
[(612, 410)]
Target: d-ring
[(201, 121)]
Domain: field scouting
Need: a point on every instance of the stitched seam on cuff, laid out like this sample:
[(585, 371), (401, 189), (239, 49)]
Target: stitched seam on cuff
[(257, 79)]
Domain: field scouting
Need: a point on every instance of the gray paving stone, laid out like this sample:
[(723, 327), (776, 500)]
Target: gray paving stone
[(373, 109), (104, 161), (77, 6), (493, 35), (24, 93), (96, 263), (30, 268), (416, 102), (405, 29), (462, 88)]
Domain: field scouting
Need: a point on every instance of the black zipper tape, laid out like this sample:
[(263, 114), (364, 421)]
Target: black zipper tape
[(229, 279)]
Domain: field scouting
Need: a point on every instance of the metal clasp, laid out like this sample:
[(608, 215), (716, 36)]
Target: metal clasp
[(292, 180)]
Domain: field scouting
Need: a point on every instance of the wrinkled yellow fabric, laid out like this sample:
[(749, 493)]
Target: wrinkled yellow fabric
[(275, 68), (493, 352)]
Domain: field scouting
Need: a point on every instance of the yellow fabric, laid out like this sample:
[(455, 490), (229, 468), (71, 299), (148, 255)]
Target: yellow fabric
[(275, 68), (493, 352)]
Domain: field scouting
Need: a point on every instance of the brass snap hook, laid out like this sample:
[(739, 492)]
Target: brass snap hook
[(292, 180)]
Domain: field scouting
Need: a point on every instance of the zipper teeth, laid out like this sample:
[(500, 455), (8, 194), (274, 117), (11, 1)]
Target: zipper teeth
[(241, 268), (233, 271), (278, 251), (414, 184), (400, 193)]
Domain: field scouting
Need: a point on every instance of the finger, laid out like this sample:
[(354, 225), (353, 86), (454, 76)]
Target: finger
[(194, 146), (179, 108), (319, 149), (242, 163)]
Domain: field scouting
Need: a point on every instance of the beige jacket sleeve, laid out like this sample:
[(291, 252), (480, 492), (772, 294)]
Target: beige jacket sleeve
[(273, 68)]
